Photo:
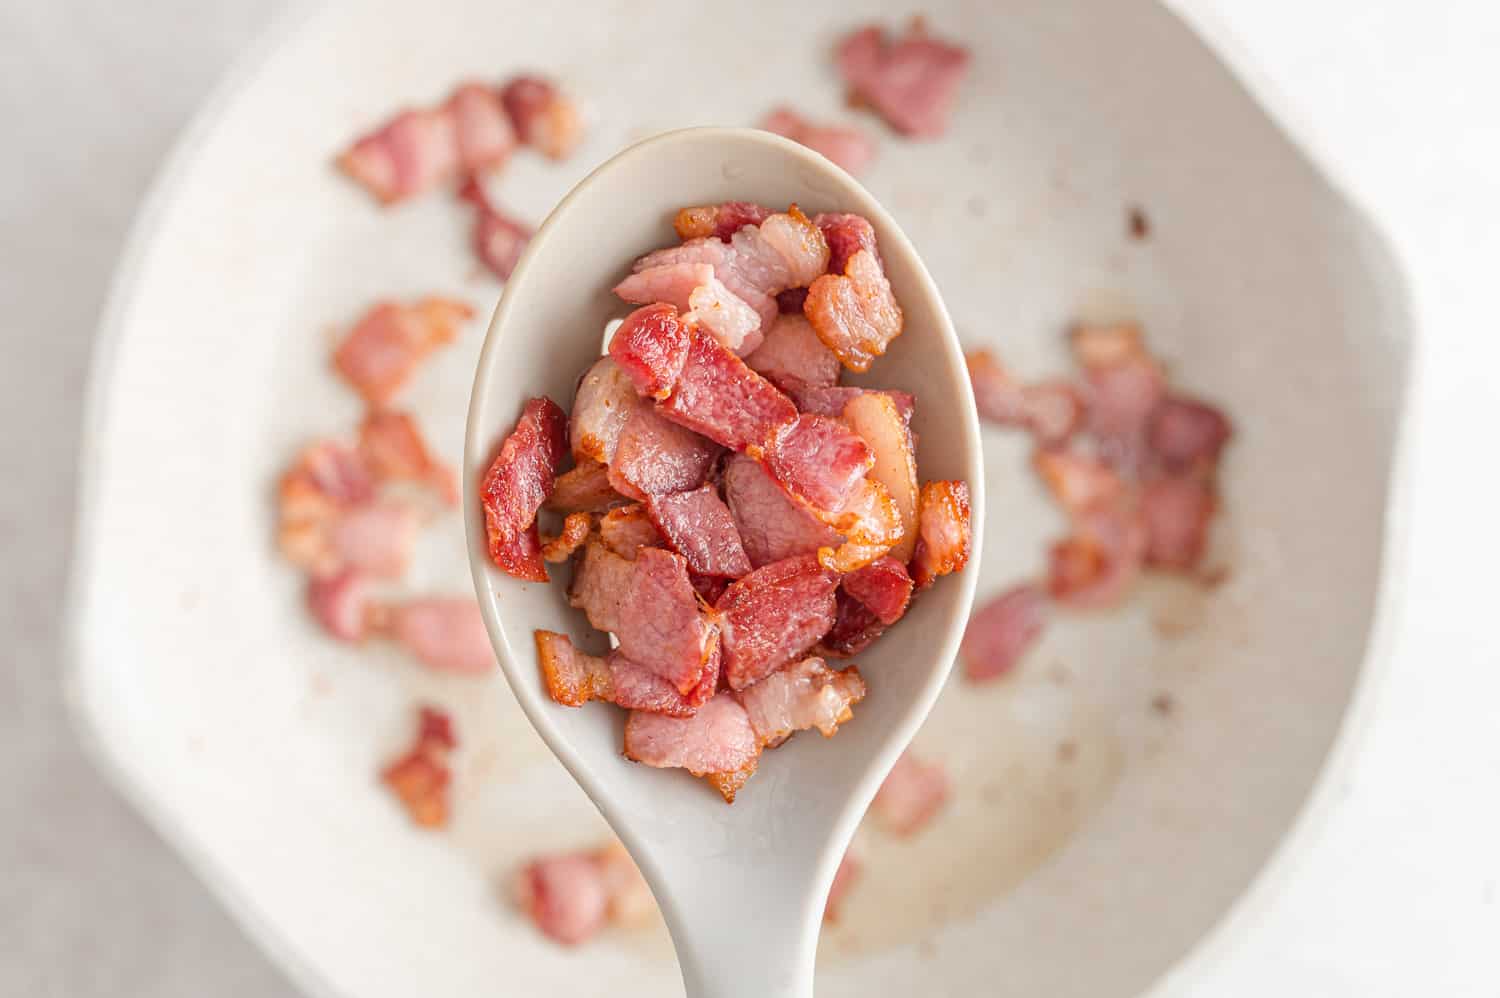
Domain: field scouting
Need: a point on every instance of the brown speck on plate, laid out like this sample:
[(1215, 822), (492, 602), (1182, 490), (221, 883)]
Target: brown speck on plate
[(1163, 704), (1139, 226), (1067, 751)]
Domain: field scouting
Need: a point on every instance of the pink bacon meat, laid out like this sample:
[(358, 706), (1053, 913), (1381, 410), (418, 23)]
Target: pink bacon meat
[(912, 81), (800, 697), (913, 793), (331, 519), (651, 346), (1176, 512), (385, 347), (698, 525), (773, 615), (1001, 631), (771, 524), (846, 146), (584, 489), (833, 399), (605, 400), (1095, 565), (444, 634), (544, 117), (943, 536), (498, 239), (855, 628), (570, 897), (414, 151), (1187, 435), (420, 777), (716, 742), (655, 456), (720, 398), (518, 482), (574, 677), (627, 529), (1051, 411)]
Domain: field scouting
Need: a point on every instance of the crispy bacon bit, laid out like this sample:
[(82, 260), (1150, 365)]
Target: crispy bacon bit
[(1176, 513), (819, 459), (444, 634), (911, 795), (655, 456), (911, 82), (832, 400), (721, 221), (585, 489), (388, 343), (605, 400), (877, 420), (393, 449), (481, 127), (339, 602), (698, 526), (1188, 435), (1096, 346), (652, 609), (574, 677), (1077, 481), (802, 696), (854, 313), (717, 740), (414, 151), (1051, 411), (518, 482), (844, 879), (854, 629), (725, 315), (1002, 630), (543, 117), (792, 355), (846, 146), (722, 399), (420, 778), (672, 284), (846, 234), (499, 240), (871, 525), (627, 529), (570, 897), (651, 346), (943, 534), (575, 530), (771, 524), (1095, 565), (773, 615), (883, 586)]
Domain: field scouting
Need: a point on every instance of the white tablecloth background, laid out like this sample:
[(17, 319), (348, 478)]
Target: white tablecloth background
[(1396, 895)]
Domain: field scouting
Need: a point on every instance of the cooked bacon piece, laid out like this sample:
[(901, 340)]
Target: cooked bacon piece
[(605, 400), (627, 529), (1108, 345), (570, 897), (498, 239), (912, 81), (1077, 481), (672, 284), (773, 615), (741, 277), (844, 879), (652, 609), (393, 449), (656, 456), (543, 117), (846, 234), (420, 778), (1001, 631), (518, 482), (1186, 434), (913, 792), (325, 484), (716, 741), (444, 634), (792, 355), (414, 151), (722, 399), (721, 221), (1094, 566), (725, 315), (390, 340), (1121, 399), (339, 603), (375, 538), (798, 241), (871, 525), (1176, 513), (1051, 411), (943, 534), (854, 629), (698, 526), (883, 586), (877, 421), (575, 530), (481, 128), (819, 459), (846, 146), (833, 399), (854, 313), (804, 695), (574, 677), (585, 489), (790, 301), (651, 346), (771, 524)]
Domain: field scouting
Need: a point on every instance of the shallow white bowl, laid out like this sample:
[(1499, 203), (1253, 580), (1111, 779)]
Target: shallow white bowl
[(1083, 871)]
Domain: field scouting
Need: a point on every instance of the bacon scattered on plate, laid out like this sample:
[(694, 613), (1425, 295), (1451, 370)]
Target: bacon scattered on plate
[(911, 81), (819, 459), (1052, 410), (570, 897), (519, 480), (911, 796), (420, 778), (332, 519), (1176, 512), (499, 240), (339, 603), (854, 313), (1188, 435), (1079, 481), (772, 615), (544, 118), (1094, 566), (385, 347), (845, 145), (717, 741), (413, 152), (1001, 631), (943, 534), (446, 634), (392, 448)]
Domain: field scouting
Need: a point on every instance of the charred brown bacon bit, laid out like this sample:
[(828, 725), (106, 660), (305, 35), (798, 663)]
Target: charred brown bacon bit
[(574, 677), (912, 794), (717, 741), (585, 489), (883, 586), (392, 448), (543, 117), (519, 481), (388, 343), (819, 459), (912, 82), (331, 519), (846, 146), (721, 221), (854, 313), (498, 239), (771, 524), (1095, 565), (773, 615), (575, 530), (698, 526), (627, 529), (1002, 630), (414, 151), (572, 896), (651, 346), (420, 778), (943, 534)]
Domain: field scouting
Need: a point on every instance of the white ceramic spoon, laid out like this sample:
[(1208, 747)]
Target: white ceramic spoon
[(742, 887)]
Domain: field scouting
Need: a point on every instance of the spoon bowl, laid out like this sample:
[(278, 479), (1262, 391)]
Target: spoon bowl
[(742, 887)]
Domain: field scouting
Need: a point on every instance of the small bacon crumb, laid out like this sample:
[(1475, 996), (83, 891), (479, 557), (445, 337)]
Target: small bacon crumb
[(544, 118), (498, 239), (846, 146), (393, 449), (911, 795), (575, 530), (570, 897), (420, 778), (1001, 631), (911, 81)]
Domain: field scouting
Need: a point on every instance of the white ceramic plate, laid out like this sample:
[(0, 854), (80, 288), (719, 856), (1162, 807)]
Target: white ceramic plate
[(1088, 871)]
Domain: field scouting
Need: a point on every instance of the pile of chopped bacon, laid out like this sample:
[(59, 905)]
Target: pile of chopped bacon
[(735, 516), (1132, 462), (471, 134)]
